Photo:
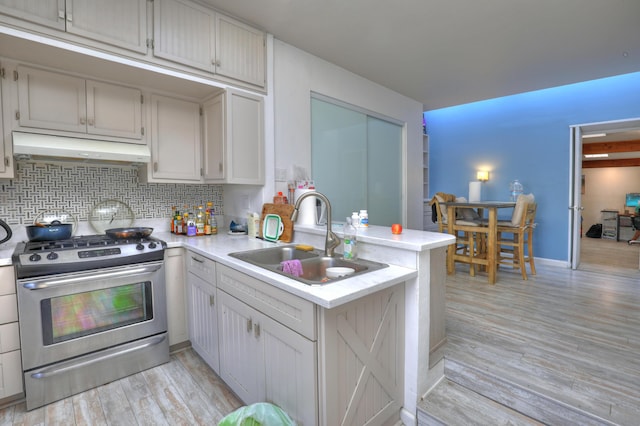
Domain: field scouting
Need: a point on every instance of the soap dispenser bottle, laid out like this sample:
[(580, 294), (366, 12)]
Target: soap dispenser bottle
[(350, 248)]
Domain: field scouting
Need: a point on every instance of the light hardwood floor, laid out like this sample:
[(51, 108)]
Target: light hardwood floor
[(184, 391), (598, 254), (570, 336)]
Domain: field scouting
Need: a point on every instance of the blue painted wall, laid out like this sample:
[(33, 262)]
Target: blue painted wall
[(525, 137)]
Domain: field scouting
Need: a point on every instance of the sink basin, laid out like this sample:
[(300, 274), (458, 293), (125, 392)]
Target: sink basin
[(314, 265), (274, 255)]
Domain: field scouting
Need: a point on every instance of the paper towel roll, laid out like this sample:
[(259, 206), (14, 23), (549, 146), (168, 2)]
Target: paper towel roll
[(475, 189), (307, 210)]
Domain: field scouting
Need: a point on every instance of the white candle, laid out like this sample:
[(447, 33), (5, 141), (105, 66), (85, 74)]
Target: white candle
[(474, 191)]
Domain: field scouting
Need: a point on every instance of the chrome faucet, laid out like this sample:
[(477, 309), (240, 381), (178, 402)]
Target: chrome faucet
[(332, 240)]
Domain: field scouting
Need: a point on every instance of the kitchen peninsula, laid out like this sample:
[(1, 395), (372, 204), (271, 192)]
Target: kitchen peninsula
[(369, 338)]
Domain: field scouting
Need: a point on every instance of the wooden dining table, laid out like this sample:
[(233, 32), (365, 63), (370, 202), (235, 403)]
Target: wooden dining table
[(492, 233)]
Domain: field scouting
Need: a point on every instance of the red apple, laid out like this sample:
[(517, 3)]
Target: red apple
[(396, 228)]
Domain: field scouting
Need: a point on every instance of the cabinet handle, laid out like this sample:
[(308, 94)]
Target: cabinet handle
[(215, 62), (195, 259), (256, 330), (91, 121), (83, 120), (61, 14), (212, 300), (70, 17), (220, 167), (155, 166), (7, 161), (249, 325)]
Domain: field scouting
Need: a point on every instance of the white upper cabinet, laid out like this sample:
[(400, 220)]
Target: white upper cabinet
[(54, 101), (175, 141), (121, 23), (6, 145), (50, 13), (233, 132), (240, 51), (189, 34), (184, 33)]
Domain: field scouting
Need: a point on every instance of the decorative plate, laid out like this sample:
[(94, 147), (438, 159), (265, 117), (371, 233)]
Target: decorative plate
[(110, 214)]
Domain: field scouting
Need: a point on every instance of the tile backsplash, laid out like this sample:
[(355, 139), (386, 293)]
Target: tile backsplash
[(75, 189)]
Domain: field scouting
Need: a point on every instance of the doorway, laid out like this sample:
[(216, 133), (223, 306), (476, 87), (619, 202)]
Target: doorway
[(621, 141)]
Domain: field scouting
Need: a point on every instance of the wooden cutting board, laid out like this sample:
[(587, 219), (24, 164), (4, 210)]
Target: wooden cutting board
[(284, 211)]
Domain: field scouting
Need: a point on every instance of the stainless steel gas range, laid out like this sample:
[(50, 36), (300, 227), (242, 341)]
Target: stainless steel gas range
[(92, 309)]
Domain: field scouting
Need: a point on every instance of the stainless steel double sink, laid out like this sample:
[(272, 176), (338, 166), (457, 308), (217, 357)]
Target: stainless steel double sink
[(314, 263)]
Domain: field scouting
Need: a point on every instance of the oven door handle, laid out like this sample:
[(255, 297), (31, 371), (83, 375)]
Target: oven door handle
[(92, 359), (129, 272)]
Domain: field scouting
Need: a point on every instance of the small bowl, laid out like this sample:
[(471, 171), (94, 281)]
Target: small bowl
[(339, 271)]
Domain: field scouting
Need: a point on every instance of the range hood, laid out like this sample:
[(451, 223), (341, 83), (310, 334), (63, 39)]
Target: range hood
[(48, 147)]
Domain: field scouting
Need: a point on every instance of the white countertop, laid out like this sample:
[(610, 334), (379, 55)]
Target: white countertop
[(218, 247)]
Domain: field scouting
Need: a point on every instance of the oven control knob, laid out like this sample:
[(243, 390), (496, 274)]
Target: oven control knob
[(139, 246), (35, 257), (152, 245), (52, 256)]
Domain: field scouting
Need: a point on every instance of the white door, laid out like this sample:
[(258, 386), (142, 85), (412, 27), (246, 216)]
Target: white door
[(184, 32), (114, 110), (175, 139), (241, 355), (575, 195), (44, 12), (240, 51), (121, 23), (48, 100), (213, 137), (203, 320)]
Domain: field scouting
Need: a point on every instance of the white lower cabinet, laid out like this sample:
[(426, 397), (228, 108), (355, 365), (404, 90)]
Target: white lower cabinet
[(176, 296), (203, 316), (10, 360), (260, 358)]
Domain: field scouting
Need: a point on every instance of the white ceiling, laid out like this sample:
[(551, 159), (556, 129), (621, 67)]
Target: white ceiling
[(449, 52)]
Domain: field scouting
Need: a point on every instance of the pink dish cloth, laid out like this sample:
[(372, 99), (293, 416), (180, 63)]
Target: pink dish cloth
[(293, 267)]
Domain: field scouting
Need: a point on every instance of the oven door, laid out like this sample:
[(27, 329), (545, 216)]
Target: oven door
[(68, 315)]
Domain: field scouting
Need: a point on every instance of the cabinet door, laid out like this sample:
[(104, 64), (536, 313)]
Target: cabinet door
[(121, 23), (175, 139), (203, 320), (44, 12), (241, 357), (213, 133), (245, 138), (176, 296), (234, 132), (290, 370), (50, 100), (114, 110), (6, 145), (240, 51), (184, 32)]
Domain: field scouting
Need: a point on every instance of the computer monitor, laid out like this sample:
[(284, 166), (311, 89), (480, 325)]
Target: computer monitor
[(632, 199)]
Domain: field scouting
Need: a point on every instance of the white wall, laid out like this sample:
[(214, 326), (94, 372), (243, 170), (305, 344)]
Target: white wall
[(605, 188), (297, 74)]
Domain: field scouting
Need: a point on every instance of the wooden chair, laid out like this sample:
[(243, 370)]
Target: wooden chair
[(464, 240), (511, 250)]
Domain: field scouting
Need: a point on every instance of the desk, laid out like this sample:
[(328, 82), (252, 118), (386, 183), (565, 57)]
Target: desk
[(492, 232)]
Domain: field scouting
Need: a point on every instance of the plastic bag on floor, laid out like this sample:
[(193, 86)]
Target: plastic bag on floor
[(258, 414)]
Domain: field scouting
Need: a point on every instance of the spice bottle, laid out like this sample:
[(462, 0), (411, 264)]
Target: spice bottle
[(364, 219)]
